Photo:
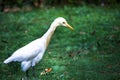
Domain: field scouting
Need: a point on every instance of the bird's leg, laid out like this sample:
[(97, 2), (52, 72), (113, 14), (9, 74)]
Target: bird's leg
[(33, 71), (27, 74)]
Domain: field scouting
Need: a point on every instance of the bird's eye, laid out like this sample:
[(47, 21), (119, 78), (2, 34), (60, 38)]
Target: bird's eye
[(63, 22)]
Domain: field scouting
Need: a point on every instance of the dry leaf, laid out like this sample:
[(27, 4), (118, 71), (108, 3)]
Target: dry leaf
[(43, 73), (48, 70)]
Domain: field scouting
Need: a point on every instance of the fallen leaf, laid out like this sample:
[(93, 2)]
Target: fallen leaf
[(48, 70), (43, 73)]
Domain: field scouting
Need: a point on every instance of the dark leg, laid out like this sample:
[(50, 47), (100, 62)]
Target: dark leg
[(27, 74), (33, 71)]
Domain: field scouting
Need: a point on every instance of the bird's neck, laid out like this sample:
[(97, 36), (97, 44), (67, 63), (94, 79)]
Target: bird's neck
[(47, 36)]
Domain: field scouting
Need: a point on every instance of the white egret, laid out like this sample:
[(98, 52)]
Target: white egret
[(30, 54)]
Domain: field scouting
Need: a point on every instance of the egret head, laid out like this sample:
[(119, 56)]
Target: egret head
[(60, 21)]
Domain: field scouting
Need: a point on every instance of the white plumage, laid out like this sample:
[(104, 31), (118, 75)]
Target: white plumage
[(33, 52), (27, 55)]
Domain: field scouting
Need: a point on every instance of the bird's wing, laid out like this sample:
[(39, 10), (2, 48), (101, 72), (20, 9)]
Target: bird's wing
[(28, 52), (37, 58)]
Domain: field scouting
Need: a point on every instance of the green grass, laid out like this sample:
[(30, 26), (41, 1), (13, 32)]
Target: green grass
[(91, 52)]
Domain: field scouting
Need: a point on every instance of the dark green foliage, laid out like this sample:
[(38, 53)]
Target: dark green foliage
[(38, 3), (91, 52)]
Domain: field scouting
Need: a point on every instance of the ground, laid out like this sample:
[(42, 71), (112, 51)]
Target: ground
[(90, 52)]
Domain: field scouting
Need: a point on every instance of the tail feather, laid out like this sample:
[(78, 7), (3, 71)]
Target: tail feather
[(8, 60)]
